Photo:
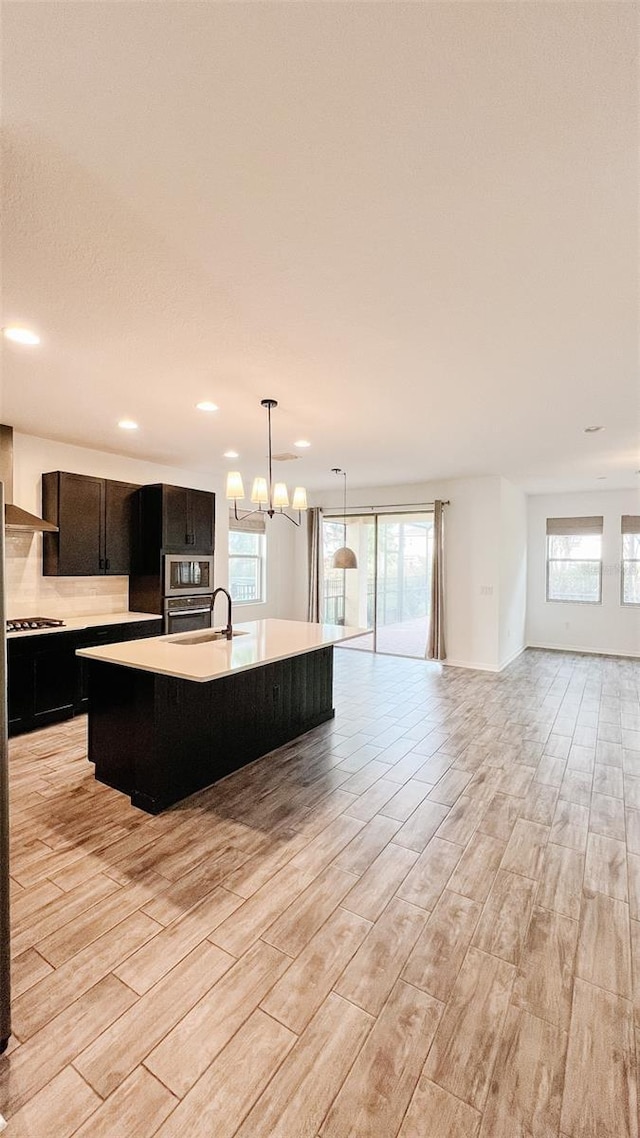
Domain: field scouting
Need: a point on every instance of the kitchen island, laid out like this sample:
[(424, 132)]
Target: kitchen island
[(172, 714)]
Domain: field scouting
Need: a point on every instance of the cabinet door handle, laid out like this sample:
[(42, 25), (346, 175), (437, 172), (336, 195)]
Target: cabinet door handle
[(107, 564), (101, 563)]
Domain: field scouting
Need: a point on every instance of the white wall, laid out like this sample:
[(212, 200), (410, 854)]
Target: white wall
[(29, 593), (513, 572), (300, 568), (281, 541), (472, 561), (609, 627)]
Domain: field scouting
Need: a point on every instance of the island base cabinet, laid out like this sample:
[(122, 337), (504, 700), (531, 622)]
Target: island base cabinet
[(160, 739)]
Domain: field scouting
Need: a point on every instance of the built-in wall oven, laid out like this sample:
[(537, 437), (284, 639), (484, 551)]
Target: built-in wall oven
[(187, 576), (182, 614), (187, 592)]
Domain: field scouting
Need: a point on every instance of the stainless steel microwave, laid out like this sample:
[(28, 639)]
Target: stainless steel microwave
[(187, 576)]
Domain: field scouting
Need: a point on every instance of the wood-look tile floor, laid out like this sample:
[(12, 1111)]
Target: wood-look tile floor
[(419, 921)]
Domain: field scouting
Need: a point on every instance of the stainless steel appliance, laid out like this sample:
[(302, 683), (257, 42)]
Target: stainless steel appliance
[(14, 516), (25, 624), (181, 614), (187, 576)]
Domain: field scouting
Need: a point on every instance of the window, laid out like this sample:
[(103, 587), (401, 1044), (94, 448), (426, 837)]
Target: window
[(574, 560), (630, 559), (247, 559)]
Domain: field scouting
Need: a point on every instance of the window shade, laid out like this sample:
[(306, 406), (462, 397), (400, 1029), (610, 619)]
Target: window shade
[(630, 523), (582, 527), (254, 523)]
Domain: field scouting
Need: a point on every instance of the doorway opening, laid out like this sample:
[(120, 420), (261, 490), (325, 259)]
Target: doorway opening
[(390, 591)]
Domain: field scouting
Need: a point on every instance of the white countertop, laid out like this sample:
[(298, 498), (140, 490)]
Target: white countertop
[(75, 623), (259, 642)]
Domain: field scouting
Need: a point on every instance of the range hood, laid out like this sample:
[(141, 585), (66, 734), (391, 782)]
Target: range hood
[(15, 518)]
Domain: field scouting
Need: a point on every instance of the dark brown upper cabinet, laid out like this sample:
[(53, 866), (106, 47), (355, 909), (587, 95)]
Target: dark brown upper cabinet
[(118, 523), (201, 518), (172, 519), (94, 518)]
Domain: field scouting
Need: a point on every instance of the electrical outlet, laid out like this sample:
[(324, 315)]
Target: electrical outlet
[(486, 590), (567, 625)]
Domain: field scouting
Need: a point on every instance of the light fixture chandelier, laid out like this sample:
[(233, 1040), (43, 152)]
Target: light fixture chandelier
[(269, 498), (344, 558)]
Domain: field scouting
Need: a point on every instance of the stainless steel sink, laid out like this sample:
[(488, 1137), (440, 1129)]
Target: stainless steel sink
[(206, 636)]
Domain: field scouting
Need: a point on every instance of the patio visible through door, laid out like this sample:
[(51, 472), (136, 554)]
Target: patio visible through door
[(390, 590)]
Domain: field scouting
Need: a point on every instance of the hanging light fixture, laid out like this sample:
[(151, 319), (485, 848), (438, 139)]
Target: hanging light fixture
[(268, 497), (344, 558)]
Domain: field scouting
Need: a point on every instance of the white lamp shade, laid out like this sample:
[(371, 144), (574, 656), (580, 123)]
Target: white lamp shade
[(235, 489), (280, 495), (299, 498), (259, 492), (345, 558)]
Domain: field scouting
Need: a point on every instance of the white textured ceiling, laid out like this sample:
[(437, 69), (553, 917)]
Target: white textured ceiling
[(414, 224)]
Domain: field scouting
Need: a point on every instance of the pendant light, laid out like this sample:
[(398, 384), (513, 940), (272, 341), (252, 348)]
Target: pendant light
[(269, 498), (344, 558)]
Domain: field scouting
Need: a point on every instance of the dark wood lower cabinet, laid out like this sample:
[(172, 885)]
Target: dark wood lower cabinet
[(47, 682), (160, 739), (20, 691), (54, 684)]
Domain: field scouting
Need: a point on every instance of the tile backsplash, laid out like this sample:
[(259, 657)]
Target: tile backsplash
[(31, 594)]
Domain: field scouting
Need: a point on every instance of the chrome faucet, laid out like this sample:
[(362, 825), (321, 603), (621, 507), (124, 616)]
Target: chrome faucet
[(229, 629)]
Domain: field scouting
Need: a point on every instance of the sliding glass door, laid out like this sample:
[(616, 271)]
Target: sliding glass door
[(390, 590), (403, 583), (349, 594)]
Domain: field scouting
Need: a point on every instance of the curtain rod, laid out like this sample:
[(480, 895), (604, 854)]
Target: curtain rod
[(378, 509)]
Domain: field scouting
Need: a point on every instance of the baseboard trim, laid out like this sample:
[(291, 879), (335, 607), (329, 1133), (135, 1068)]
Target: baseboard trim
[(485, 667), (586, 651), (465, 664), (543, 647), (514, 656)]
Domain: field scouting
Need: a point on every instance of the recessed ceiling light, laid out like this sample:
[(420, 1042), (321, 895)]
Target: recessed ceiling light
[(601, 478), (21, 336), (231, 454), (207, 406), (128, 425), (302, 443), (592, 430)]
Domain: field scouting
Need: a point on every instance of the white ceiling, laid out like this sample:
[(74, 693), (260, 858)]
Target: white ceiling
[(415, 225)]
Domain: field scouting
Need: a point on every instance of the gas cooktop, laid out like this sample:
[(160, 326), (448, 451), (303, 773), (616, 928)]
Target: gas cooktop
[(25, 624)]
